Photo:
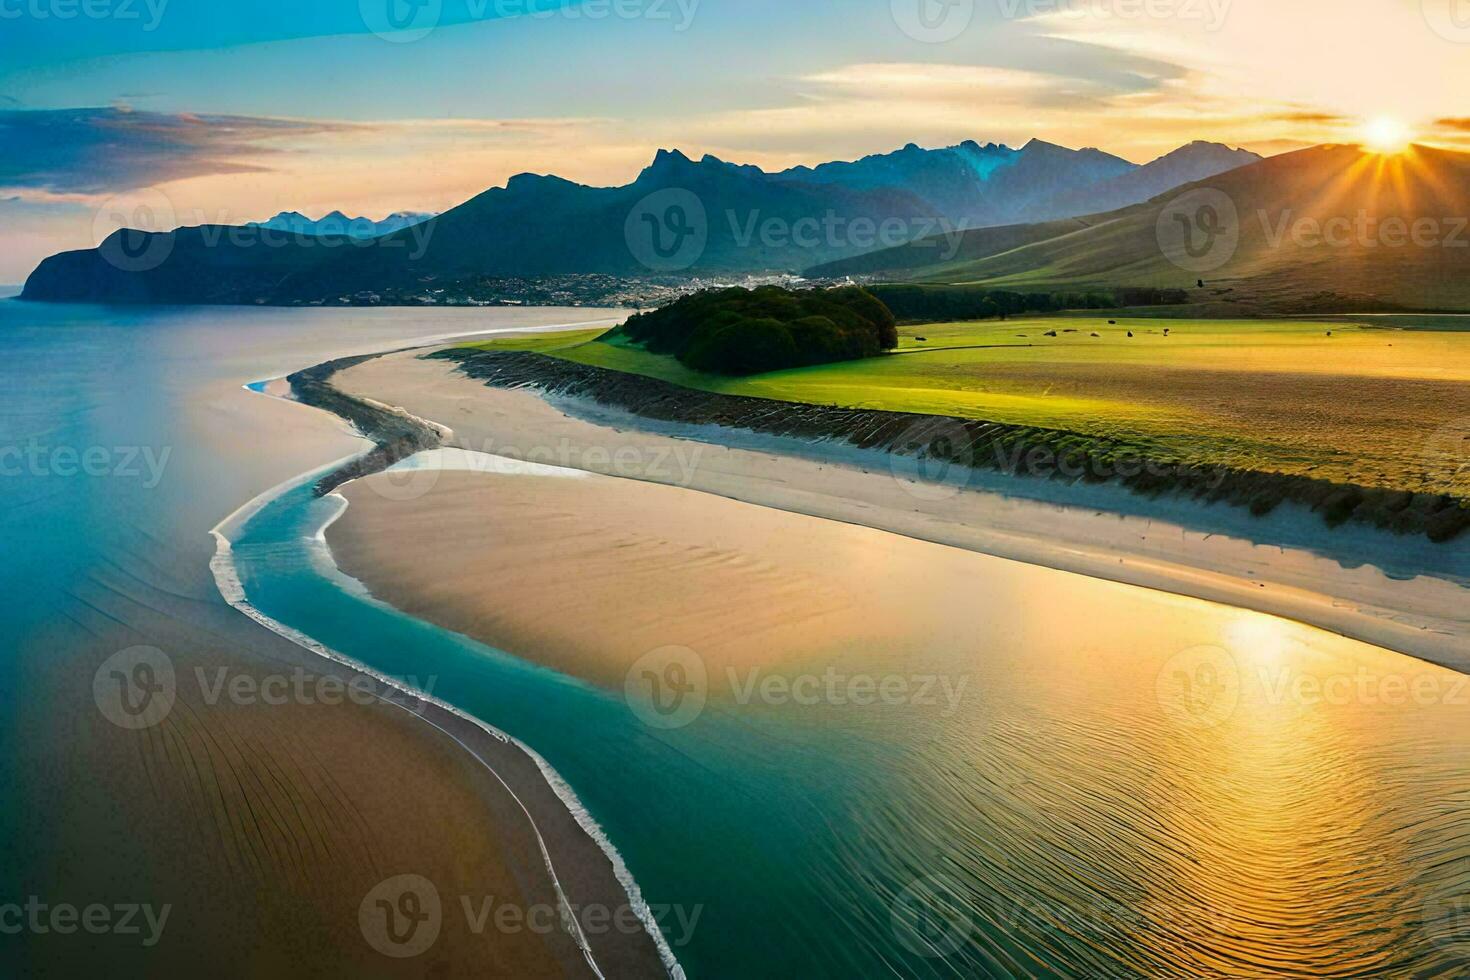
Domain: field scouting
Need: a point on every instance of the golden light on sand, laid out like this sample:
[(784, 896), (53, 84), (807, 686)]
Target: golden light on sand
[(1386, 135), (1259, 640)]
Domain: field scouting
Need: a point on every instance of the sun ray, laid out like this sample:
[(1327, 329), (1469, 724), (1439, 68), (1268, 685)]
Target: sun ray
[(1386, 135)]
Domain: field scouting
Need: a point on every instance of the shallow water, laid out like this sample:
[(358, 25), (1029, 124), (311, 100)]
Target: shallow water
[(125, 436), (1129, 784), (1062, 821)]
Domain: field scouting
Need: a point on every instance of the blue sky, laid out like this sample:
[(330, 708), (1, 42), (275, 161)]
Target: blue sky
[(231, 111)]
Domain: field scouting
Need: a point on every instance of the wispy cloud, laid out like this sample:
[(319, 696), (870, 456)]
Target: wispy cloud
[(1308, 116), (107, 150)]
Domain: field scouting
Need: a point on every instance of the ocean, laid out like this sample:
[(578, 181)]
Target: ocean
[(1063, 817)]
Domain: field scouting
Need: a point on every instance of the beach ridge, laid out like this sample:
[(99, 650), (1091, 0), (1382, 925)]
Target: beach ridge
[(1329, 578)]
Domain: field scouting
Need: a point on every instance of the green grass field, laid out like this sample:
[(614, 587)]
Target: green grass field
[(1369, 404)]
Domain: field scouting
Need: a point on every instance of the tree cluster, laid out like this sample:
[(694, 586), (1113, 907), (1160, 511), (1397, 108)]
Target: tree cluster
[(744, 331)]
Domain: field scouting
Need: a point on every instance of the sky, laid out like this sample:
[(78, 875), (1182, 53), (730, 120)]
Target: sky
[(228, 111)]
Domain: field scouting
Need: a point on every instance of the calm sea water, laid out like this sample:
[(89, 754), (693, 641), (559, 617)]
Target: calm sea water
[(1102, 802), (125, 436)]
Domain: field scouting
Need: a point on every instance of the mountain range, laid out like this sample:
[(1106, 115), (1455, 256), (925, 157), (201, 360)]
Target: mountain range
[(680, 216), (338, 224), (1329, 229)]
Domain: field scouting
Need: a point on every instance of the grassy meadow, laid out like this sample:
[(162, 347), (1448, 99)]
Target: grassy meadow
[(1355, 402)]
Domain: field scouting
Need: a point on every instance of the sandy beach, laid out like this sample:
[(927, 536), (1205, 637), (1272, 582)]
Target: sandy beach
[(285, 816), (857, 706), (1423, 616)]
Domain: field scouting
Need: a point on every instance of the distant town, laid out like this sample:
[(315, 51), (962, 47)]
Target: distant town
[(569, 290)]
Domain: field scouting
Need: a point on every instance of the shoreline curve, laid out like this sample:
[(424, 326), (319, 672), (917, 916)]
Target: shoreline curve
[(231, 589)]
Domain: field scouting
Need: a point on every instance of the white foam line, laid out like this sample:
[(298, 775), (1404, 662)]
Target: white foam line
[(253, 506), (227, 581)]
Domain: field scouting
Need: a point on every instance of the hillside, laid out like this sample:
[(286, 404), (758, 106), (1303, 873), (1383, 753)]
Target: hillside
[(730, 219), (1197, 161), (680, 216), (1331, 228)]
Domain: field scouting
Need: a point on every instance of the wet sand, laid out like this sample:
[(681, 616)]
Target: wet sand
[(1423, 616), (265, 826), (523, 563)]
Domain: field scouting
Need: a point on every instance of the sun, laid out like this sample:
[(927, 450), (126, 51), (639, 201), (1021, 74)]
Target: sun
[(1386, 135)]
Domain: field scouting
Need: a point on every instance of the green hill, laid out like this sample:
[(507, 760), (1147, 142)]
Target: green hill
[(1328, 229)]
